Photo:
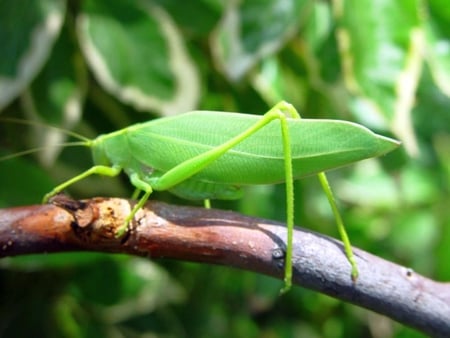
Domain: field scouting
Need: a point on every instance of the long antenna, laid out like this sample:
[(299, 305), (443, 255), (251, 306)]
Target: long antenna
[(84, 141), (37, 149), (34, 123)]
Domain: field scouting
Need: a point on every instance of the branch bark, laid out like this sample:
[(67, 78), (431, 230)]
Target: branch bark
[(222, 237)]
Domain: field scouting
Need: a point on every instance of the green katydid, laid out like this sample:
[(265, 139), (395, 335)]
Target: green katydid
[(211, 155)]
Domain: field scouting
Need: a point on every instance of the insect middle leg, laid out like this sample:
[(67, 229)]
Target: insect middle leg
[(140, 185)]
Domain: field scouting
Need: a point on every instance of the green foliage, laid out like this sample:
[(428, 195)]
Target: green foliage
[(95, 68)]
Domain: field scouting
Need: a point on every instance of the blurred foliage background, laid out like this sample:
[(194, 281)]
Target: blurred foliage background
[(95, 66)]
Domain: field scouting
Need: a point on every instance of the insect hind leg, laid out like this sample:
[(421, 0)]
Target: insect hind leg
[(190, 167), (287, 108), (281, 110)]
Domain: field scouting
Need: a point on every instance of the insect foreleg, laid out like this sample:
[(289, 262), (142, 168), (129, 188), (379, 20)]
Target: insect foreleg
[(95, 170)]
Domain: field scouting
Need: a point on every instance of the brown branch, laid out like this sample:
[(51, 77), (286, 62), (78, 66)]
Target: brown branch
[(222, 237)]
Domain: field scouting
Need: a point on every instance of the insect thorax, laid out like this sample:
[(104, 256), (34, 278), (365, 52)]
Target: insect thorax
[(111, 149)]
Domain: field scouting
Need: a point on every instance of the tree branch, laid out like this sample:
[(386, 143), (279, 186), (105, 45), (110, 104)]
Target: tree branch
[(223, 237)]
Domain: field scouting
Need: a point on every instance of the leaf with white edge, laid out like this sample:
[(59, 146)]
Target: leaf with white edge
[(56, 97), (284, 78), (138, 55), (252, 30), (26, 45), (438, 43), (382, 58), (195, 18)]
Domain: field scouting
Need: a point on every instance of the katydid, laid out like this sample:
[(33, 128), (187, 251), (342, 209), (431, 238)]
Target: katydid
[(212, 155)]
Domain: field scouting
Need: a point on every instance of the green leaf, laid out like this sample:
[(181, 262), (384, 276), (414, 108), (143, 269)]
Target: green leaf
[(197, 18), (56, 98), (252, 30), (22, 183), (28, 30), (369, 186), (413, 236), (137, 54), (382, 58), (133, 286), (438, 43)]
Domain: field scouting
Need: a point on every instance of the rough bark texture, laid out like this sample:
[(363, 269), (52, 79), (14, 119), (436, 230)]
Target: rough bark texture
[(221, 237)]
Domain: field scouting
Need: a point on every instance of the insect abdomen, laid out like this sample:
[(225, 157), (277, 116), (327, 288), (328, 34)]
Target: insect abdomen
[(201, 190)]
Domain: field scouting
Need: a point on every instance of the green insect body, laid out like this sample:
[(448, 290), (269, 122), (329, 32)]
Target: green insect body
[(211, 155), (256, 160)]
